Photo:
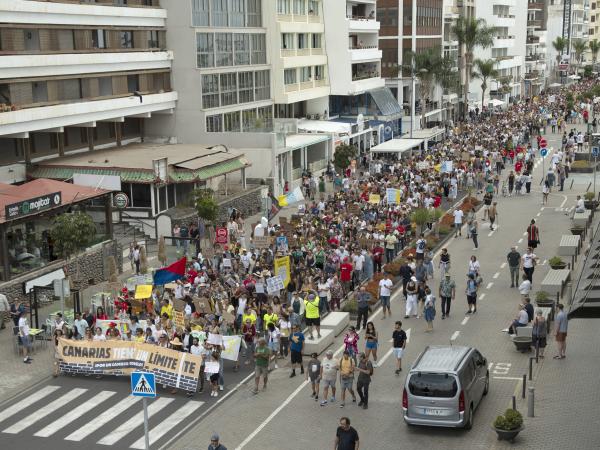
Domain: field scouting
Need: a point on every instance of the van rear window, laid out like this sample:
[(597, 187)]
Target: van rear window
[(432, 385)]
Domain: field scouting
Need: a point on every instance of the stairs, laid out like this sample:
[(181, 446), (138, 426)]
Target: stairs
[(125, 233)]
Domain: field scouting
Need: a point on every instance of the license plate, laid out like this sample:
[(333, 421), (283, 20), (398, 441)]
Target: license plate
[(433, 412)]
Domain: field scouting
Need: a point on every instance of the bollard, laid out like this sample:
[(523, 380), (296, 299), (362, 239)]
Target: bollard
[(531, 368), (514, 401), (530, 402), (524, 386)]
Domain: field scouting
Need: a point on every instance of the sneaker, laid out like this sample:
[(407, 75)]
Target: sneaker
[(374, 364), (353, 399), (255, 391), (311, 337), (323, 402), (365, 406), (360, 403), (216, 394), (443, 317), (342, 405), (293, 374), (316, 398), (276, 366)]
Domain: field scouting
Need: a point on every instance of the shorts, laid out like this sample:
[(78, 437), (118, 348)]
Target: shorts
[(347, 383), (214, 377), (532, 244), (315, 379), (25, 341), (472, 299), (296, 357), (274, 347), (261, 371), (385, 301), (314, 321), (561, 337), (371, 345), (328, 383), (398, 352)]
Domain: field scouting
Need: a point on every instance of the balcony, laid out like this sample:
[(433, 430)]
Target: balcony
[(305, 85), (535, 23), (530, 58), (292, 52), (533, 39), (365, 54), (357, 23), (504, 20), (533, 75), (536, 6), (504, 41)]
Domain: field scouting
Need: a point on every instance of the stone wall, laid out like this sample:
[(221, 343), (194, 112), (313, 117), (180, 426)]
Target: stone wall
[(248, 203), (92, 270)]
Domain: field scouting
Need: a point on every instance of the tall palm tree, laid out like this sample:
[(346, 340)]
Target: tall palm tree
[(471, 33), (559, 44), (594, 48), (579, 47), (484, 70), (425, 67)]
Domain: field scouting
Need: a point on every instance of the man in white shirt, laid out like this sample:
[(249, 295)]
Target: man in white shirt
[(529, 260), (359, 261), (525, 287), (80, 325), (245, 260), (24, 337), (580, 205), (458, 217), (385, 292)]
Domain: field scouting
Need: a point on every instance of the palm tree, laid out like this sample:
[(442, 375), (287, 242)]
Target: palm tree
[(579, 47), (484, 70), (471, 33), (559, 44), (425, 66), (594, 46)]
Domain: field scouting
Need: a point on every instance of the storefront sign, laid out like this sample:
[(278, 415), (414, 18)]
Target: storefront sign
[(121, 200), (33, 205)]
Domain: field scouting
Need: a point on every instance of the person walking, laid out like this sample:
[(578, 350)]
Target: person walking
[(411, 298), (347, 377), (262, 354), (215, 444), (4, 311), (329, 371), (313, 371), (429, 309), (365, 371), (561, 323), (371, 342), (533, 235), (473, 231), (362, 300), (346, 437), (458, 218), (385, 292), (447, 293), (399, 337), (493, 214), (471, 292), (296, 349), (528, 262), (514, 264), (444, 261), (539, 332)]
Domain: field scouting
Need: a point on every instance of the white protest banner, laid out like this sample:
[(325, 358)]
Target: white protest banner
[(232, 347), (274, 285), (260, 288), (211, 367)]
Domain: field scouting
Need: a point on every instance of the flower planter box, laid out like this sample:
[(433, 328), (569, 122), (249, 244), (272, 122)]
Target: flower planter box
[(507, 435)]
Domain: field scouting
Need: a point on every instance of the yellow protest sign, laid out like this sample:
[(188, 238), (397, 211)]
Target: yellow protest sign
[(179, 319), (143, 291), (282, 267), (374, 198)]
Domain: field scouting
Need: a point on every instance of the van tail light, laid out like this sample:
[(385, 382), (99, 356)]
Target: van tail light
[(405, 399), (461, 402)]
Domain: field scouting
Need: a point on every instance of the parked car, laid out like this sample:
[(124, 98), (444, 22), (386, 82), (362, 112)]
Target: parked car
[(444, 387)]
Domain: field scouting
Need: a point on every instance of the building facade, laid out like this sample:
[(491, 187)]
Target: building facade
[(77, 77), (536, 69)]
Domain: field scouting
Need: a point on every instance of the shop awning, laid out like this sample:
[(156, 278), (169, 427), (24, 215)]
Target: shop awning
[(397, 146)]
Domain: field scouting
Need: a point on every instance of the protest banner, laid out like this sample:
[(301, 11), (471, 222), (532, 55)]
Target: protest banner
[(179, 319), (281, 243), (374, 199), (261, 242), (143, 291), (221, 235), (178, 304), (232, 347), (171, 367), (211, 367), (274, 285), (283, 269)]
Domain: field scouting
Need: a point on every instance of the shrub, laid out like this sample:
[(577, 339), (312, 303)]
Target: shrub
[(444, 228), (410, 251), (555, 261), (432, 241), (393, 268), (580, 164), (542, 296), (350, 305), (511, 420), (589, 196)]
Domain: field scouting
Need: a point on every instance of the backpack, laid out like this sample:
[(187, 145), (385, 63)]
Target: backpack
[(421, 244)]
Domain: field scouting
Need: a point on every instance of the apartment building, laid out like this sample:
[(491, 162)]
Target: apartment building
[(78, 76), (594, 28), (536, 71)]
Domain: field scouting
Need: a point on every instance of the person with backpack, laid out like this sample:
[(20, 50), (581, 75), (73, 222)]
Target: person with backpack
[(471, 291), (420, 248), (365, 372)]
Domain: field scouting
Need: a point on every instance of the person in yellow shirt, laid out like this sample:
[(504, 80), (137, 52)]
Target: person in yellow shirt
[(166, 308), (269, 317), (313, 317), (139, 336), (249, 315), (347, 376)]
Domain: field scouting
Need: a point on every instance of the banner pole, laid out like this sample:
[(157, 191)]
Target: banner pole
[(146, 434)]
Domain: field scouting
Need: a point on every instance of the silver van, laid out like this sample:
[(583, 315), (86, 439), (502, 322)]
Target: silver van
[(445, 386)]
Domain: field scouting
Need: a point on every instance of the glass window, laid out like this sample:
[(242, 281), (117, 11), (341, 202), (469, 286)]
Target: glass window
[(153, 41), (305, 74), (200, 13), (319, 72), (259, 49), (98, 39), (254, 13), (171, 195), (242, 49), (228, 89), (262, 85), (231, 121), (140, 196), (284, 7), (126, 39), (287, 41), (433, 385), (246, 86), (300, 7), (214, 124), (313, 7), (302, 41), (219, 13), (224, 45), (210, 91), (205, 49), (265, 117), (316, 40), (236, 13), (249, 120), (289, 76)]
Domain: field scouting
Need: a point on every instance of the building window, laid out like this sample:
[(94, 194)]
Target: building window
[(289, 76), (302, 41), (140, 195), (262, 85), (319, 72), (224, 44), (205, 49), (299, 7), (254, 13), (287, 41), (236, 13), (231, 121), (284, 7), (313, 7), (210, 91), (214, 124), (242, 49), (259, 49), (249, 121), (228, 89), (246, 83), (200, 13), (153, 41), (98, 39), (219, 13), (316, 40), (265, 116), (305, 74), (126, 39)]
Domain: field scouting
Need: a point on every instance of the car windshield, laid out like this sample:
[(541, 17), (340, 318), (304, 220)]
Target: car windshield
[(432, 385)]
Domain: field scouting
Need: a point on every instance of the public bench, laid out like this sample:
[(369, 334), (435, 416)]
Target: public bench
[(555, 280), (582, 219), (318, 344), (336, 321)]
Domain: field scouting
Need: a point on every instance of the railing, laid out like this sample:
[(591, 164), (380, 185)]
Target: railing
[(352, 17), (535, 23), (505, 37), (533, 58), (365, 76), (321, 82), (291, 87), (317, 165), (297, 174), (363, 47), (533, 39), (306, 85), (291, 52), (303, 52)]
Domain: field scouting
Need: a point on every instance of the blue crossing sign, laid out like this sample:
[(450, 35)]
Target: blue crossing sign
[(143, 384), (595, 152), (543, 152)]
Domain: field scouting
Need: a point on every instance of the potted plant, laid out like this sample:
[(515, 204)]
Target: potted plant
[(557, 263), (577, 230), (589, 200), (351, 306), (508, 425), (543, 300)]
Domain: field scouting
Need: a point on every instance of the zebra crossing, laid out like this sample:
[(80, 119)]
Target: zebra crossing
[(100, 417)]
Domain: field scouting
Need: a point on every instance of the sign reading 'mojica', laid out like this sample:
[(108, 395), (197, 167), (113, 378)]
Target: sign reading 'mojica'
[(33, 205)]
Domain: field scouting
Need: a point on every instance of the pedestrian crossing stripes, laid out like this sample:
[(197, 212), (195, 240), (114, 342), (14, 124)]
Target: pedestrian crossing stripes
[(564, 209), (52, 410)]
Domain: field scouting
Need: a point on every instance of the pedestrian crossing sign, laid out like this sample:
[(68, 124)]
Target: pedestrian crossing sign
[(143, 384)]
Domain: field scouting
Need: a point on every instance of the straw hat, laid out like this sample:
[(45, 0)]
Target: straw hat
[(176, 341)]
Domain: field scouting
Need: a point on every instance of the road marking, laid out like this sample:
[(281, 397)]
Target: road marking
[(408, 335), (481, 296), (516, 247), (520, 240), (74, 414), (168, 424), (496, 275), (490, 233), (27, 401), (544, 263), (454, 335), (501, 368), (525, 234), (102, 419), (503, 265), (507, 378), (381, 361), (542, 208), (489, 285), (44, 411), (135, 421), (538, 214), (465, 320)]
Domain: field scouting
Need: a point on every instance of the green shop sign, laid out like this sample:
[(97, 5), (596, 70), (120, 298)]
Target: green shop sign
[(33, 205)]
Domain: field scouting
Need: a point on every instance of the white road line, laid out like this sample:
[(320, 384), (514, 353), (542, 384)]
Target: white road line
[(481, 296), (516, 247), (168, 424), (542, 208), (544, 263), (503, 265), (538, 214), (490, 233), (136, 420), (465, 320), (103, 419), (489, 285), (27, 401), (74, 414), (508, 378), (496, 275), (386, 356), (525, 233), (520, 240), (44, 411), (454, 335), (408, 335)]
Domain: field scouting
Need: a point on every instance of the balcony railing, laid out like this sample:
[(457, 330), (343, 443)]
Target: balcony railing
[(535, 23), (505, 37), (536, 5), (362, 47), (533, 39), (290, 52), (352, 17), (533, 57), (365, 76)]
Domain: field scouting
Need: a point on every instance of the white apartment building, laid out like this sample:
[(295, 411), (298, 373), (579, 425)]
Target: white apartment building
[(509, 48), (536, 69), (78, 76)]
